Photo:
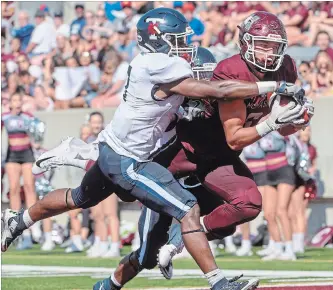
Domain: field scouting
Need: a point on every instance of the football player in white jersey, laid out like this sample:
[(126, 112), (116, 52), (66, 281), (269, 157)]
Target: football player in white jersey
[(158, 78)]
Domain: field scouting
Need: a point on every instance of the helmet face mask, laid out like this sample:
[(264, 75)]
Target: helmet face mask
[(178, 44), (263, 41), (273, 60), (204, 72)]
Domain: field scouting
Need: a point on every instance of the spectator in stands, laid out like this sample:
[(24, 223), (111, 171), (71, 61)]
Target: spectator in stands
[(24, 31), (89, 91), (48, 17), (102, 46), (23, 62), (323, 41), (124, 44), (43, 39), (61, 27), (42, 100), (78, 24), (112, 81), (197, 26), (305, 77), (90, 18), (320, 21), (63, 49), (15, 51), (76, 44), (294, 21), (322, 81)]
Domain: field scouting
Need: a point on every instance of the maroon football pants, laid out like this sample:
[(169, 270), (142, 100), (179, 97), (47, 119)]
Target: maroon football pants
[(227, 197)]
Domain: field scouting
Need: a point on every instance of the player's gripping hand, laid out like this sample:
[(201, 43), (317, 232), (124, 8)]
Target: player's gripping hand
[(294, 92), (283, 113), (304, 120)]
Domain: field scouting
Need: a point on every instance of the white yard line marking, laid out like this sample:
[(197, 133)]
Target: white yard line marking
[(28, 271)]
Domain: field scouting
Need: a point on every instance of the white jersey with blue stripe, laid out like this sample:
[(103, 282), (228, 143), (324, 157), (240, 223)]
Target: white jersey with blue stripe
[(141, 119)]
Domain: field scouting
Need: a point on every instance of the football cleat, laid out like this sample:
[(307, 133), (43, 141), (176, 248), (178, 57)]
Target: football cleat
[(12, 227), (106, 284), (234, 284)]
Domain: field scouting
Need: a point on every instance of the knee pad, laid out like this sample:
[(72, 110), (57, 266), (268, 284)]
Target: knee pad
[(133, 260)]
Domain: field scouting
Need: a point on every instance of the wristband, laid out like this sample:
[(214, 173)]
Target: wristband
[(263, 128), (266, 87)]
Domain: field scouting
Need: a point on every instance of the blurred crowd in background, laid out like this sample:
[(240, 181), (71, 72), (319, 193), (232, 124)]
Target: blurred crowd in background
[(83, 63)]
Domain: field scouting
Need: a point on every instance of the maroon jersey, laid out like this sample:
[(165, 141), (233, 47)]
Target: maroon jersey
[(204, 138)]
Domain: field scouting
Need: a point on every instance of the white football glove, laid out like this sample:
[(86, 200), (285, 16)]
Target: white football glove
[(308, 105), (280, 116), (294, 92)]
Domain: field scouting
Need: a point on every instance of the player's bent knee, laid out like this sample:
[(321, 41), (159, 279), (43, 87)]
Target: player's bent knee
[(82, 199), (133, 260), (249, 201)]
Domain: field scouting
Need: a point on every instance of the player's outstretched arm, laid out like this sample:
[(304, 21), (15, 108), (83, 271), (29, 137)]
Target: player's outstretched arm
[(222, 90)]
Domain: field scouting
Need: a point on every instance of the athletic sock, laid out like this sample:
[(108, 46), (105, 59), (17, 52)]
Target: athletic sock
[(114, 280), (27, 219), (289, 247), (247, 244), (48, 236), (278, 247), (271, 244), (214, 276)]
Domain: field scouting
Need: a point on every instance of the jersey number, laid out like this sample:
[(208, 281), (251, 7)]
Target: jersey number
[(127, 84), (252, 119)]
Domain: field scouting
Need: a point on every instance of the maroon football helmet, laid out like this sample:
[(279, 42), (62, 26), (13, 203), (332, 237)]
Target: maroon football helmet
[(262, 26)]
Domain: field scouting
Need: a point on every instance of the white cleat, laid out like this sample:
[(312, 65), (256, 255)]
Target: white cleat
[(244, 252), (113, 252), (272, 256), (299, 250), (166, 253), (48, 246), (230, 248), (184, 254), (287, 256), (265, 252), (68, 150), (98, 250)]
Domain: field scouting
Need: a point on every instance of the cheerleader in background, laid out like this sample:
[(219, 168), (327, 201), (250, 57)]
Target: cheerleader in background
[(42, 181), (302, 155), (281, 181), (19, 162), (254, 157)]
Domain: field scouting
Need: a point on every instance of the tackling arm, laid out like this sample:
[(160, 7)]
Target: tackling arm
[(222, 90)]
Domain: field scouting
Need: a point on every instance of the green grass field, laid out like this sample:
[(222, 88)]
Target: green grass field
[(312, 260)]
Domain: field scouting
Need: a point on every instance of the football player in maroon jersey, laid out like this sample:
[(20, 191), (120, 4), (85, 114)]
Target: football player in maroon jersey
[(214, 143)]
